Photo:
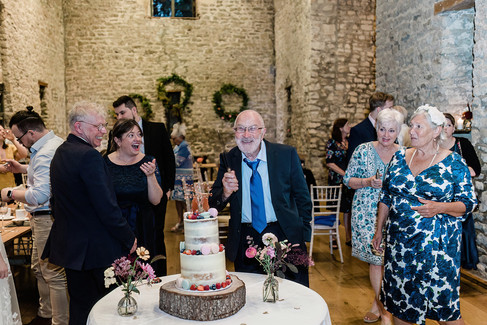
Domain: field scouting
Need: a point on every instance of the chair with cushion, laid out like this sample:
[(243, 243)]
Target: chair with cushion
[(325, 215)]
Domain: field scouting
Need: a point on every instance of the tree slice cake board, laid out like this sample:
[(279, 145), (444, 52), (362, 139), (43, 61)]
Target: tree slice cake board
[(202, 306)]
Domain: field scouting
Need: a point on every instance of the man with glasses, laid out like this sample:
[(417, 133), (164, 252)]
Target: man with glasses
[(89, 231), (31, 132), (157, 144), (265, 186)]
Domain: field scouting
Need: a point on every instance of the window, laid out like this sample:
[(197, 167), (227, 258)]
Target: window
[(173, 8)]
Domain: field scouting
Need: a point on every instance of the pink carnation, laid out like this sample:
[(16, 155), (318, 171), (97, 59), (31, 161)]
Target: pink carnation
[(251, 252)]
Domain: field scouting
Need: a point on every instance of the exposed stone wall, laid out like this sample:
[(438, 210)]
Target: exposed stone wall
[(325, 51), (115, 48), (32, 45), (423, 58), (479, 130)]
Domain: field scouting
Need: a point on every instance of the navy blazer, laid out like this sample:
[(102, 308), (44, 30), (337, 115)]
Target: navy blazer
[(360, 133), (289, 193), (158, 145), (89, 230)]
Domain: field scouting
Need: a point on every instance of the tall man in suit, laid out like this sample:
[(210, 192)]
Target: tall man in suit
[(157, 144), (285, 201), (365, 130), (89, 231)]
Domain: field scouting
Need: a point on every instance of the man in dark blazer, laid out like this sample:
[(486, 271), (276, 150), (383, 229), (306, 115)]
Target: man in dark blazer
[(365, 130), (89, 231), (285, 193), (157, 144)]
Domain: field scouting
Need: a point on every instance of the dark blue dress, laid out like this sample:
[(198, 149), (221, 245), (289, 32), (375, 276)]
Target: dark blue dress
[(130, 185), (422, 256)]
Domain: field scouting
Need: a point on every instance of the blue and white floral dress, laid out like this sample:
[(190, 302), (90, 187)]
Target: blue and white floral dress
[(364, 163), (422, 256)]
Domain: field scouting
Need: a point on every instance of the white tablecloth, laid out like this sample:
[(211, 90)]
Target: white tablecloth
[(298, 305)]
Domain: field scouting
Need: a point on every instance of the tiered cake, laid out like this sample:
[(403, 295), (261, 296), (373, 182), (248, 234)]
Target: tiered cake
[(204, 291)]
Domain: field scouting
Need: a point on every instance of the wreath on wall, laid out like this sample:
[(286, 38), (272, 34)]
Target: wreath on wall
[(228, 89), (162, 93), (146, 106)]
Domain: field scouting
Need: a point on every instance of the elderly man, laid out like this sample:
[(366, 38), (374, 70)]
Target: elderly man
[(89, 232), (267, 192), (31, 132), (156, 144)]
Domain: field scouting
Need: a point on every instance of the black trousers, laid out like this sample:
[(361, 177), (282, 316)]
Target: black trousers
[(160, 267), (251, 265), (85, 288)]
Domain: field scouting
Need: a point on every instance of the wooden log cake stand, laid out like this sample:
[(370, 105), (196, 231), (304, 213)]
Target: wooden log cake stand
[(202, 306)]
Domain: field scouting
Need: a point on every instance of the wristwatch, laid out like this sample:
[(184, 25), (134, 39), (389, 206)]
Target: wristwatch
[(9, 194)]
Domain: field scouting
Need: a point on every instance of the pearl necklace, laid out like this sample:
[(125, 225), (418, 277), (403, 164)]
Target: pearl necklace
[(414, 153)]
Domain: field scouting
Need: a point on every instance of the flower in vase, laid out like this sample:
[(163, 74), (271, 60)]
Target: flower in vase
[(143, 253), (251, 252), (269, 239)]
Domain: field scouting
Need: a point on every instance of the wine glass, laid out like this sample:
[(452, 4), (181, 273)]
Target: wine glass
[(3, 212)]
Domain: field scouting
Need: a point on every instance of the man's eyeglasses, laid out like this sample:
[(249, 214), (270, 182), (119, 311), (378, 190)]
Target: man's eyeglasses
[(252, 129), (100, 126), (19, 138)]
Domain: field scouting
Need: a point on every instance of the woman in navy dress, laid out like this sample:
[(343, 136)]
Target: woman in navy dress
[(426, 194), (470, 255), (136, 180)]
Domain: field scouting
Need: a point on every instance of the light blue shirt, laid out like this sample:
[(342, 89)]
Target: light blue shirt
[(142, 148), (38, 179), (270, 214)]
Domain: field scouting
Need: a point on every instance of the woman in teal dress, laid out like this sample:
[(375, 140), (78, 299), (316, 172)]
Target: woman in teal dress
[(426, 194), (364, 174)]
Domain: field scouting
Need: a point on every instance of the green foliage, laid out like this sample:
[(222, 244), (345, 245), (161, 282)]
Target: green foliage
[(228, 89), (162, 93), (146, 106)]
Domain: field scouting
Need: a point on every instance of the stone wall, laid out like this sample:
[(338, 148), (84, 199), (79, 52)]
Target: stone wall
[(325, 51), (115, 48), (427, 58), (32, 45)]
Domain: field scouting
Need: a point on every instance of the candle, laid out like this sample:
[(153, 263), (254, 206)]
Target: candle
[(460, 124)]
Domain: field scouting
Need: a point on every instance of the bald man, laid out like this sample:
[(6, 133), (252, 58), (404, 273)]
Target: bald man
[(284, 203)]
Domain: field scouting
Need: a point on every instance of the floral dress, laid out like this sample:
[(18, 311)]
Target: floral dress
[(364, 163), (336, 153), (422, 256)]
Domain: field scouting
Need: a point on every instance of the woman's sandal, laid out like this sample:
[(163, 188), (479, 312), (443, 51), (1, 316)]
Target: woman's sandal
[(177, 227), (370, 317)]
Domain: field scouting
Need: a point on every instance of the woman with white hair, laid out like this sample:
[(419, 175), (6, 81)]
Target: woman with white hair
[(364, 174), (184, 171), (427, 192)]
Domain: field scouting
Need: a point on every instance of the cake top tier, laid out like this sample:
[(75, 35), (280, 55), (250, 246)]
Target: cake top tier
[(211, 213)]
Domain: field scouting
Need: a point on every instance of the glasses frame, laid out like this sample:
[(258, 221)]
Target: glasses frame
[(20, 138), (247, 129), (100, 126)]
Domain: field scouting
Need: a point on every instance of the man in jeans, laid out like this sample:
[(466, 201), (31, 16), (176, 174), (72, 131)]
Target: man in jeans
[(31, 132)]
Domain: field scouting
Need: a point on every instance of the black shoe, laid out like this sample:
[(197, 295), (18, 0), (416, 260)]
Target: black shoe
[(349, 243), (40, 321)]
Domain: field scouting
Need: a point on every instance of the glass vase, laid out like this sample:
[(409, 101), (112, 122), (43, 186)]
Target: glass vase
[(127, 306), (270, 290)]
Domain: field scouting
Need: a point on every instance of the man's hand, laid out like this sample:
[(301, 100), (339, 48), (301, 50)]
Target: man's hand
[(14, 166), (230, 184)]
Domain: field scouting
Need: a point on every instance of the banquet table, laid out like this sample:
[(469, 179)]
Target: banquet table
[(297, 305)]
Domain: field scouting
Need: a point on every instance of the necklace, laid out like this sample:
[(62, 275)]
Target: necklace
[(431, 162)]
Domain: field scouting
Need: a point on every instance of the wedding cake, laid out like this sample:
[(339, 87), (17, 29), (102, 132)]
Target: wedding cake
[(204, 291)]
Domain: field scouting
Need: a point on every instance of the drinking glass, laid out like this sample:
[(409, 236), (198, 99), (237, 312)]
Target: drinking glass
[(3, 211)]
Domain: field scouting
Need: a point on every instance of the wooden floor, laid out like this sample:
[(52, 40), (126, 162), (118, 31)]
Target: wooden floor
[(345, 287)]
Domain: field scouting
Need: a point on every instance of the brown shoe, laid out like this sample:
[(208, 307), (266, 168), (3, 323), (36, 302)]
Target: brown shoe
[(40, 321)]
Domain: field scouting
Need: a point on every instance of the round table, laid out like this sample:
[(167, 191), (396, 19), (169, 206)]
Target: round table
[(297, 305)]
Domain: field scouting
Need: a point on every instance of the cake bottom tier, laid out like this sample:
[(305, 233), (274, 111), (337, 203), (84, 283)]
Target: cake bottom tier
[(202, 305)]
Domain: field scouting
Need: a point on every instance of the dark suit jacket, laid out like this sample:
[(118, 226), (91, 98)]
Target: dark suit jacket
[(360, 133), (88, 231), (289, 192), (158, 145)]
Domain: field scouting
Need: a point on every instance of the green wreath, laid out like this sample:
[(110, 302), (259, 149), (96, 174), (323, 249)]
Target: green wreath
[(162, 93), (146, 106), (228, 89)]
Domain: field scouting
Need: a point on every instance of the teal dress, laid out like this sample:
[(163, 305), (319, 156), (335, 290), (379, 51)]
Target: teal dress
[(422, 255)]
